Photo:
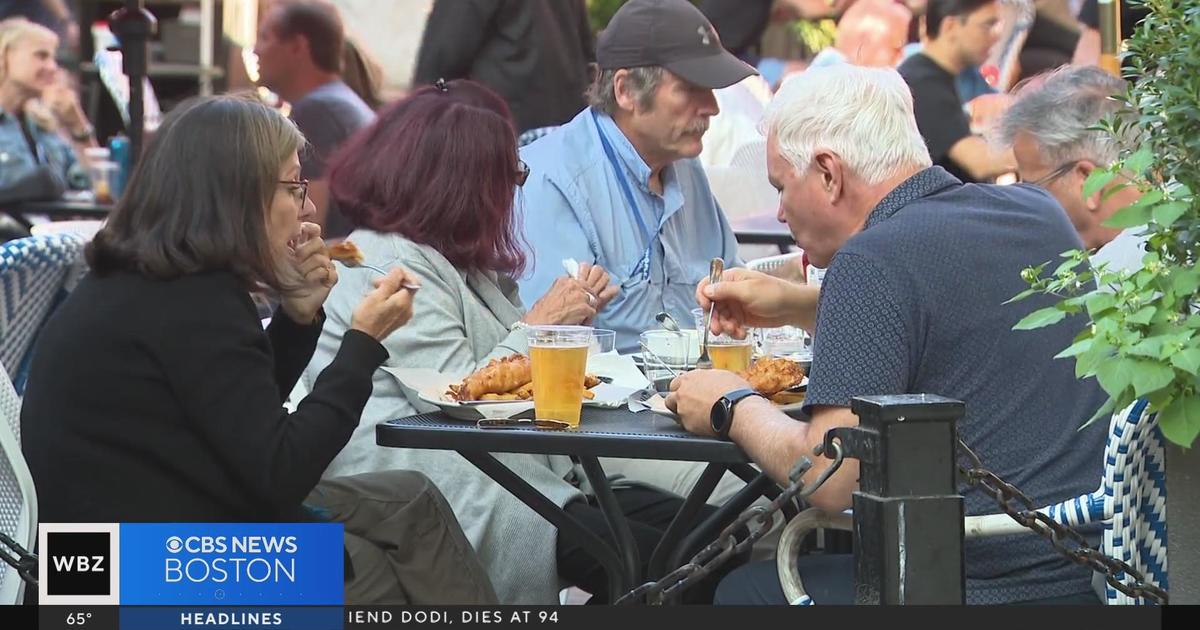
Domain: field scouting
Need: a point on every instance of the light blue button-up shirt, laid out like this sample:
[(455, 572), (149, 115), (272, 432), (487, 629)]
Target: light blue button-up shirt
[(573, 207)]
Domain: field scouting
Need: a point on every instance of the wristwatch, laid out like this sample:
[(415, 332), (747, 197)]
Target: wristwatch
[(721, 416), (518, 325)]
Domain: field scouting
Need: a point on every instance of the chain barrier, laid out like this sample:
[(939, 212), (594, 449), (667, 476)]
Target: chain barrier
[(754, 524), (1070, 543), (25, 563), (1011, 500)]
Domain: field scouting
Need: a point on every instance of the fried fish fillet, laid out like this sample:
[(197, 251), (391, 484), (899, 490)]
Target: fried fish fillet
[(499, 376), (346, 252), (771, 375), (509, 378)]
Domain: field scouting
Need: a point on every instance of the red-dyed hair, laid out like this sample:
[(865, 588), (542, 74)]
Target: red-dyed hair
[(438, 168)]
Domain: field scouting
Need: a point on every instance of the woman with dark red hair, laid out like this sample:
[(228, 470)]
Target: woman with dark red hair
[(430, 184)]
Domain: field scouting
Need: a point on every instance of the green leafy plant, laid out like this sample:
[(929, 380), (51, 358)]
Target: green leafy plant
[(1144, 338)]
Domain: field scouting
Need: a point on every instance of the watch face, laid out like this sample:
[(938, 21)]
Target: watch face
[(720, 416)]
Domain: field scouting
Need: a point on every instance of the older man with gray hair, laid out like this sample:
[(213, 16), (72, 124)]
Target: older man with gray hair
[(619, 186), (919, 268), (1051, 127)]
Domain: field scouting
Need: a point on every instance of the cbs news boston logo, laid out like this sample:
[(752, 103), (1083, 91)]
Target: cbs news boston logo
[(191, 564)]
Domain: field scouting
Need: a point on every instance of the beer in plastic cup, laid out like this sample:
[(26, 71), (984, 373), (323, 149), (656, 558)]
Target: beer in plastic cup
[(726, 352), (731, 354), (559, 355)]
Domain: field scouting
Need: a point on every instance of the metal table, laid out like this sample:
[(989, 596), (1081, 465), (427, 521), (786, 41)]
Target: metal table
[(57, 209), (603, 433)]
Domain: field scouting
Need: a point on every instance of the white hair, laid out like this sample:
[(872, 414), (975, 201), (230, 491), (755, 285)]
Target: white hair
[(864, 115)]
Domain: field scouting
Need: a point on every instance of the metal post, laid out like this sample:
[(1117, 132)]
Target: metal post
[(134, 26), (908, 515)]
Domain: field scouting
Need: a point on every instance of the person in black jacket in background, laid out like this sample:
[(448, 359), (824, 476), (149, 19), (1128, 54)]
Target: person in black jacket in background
[(154, 394), (533, 53)]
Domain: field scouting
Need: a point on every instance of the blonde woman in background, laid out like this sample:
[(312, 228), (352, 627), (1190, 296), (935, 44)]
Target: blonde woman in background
[(41, 121)]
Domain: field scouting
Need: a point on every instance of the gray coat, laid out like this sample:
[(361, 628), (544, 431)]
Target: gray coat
[(460, 321)]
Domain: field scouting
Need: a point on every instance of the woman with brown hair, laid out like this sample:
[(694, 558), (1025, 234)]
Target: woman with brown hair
[(155, 395)]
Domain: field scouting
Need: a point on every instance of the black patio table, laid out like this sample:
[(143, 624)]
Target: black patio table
[(602, 433), (57, 209)]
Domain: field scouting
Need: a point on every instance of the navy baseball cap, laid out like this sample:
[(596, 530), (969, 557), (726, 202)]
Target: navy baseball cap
[(673, 34)]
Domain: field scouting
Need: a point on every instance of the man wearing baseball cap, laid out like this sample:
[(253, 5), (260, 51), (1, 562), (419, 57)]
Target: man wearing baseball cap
[(619, 186)]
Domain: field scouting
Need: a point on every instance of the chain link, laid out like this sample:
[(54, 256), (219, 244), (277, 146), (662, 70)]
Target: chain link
[(24, 562), (755, 523), (1070, 543)]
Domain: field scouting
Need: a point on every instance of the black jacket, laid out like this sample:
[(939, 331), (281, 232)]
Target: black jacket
[(534, 53), (161, 401)]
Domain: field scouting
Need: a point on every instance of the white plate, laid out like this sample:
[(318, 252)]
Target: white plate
[(657, 404), (459, 411)]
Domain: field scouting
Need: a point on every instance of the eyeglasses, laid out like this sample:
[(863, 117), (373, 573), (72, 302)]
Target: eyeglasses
[(1055, 174), (302, 184), (522, 172)]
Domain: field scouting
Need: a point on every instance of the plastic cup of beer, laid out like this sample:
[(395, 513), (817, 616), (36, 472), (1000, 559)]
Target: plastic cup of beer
[(559, 355), (727, 353), (104, 180)]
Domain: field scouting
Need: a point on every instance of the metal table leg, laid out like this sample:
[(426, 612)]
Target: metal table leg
[(619, 581), (684, 519), (617, 524), (726, 514)]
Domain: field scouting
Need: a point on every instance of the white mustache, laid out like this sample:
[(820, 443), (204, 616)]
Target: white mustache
[(696, 128)]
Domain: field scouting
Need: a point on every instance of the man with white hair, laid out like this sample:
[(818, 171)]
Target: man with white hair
[(1051, 127), (919, 267)]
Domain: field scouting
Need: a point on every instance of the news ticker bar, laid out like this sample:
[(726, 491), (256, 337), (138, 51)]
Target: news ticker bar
[(585, 617), (289, 617)]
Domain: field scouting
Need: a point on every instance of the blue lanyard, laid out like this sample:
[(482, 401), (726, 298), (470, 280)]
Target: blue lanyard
[(643, 265)]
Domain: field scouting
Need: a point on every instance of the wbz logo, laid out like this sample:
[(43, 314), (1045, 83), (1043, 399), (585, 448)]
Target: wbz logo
[(78, 563)]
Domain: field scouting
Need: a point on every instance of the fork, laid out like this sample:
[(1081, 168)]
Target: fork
[(714, 276), (407, 285)]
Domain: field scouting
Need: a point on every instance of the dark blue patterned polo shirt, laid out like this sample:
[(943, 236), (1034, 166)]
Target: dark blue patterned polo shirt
[(914, 304)]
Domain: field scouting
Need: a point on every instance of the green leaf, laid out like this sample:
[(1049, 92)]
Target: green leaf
[(1185, 281), (1188, 360), (1116, 375), (1151, 348), (1129, 216), (1166, 213), (1075, 349), (1021, 296), (1085, 364), (1105, 411), (1100, 302), (1067, 265), (1139, 160), (1180, 421), (1151, 376), (1096, 181), (1040, 318), (1143, 315)]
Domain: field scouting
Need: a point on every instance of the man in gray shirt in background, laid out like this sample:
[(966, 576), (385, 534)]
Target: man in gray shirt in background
[(299, 50)]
